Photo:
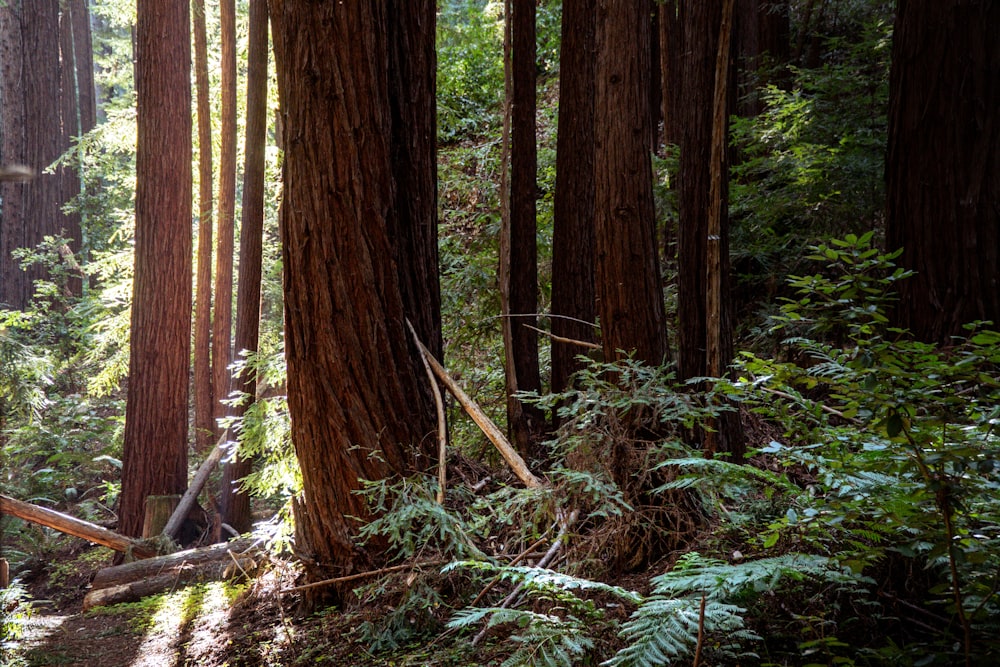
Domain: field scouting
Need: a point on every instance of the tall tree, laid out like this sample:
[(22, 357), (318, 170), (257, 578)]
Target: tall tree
[(204, 403), (629, 288), (235, 503), (573, 303), (518, 251), (704, 327), (222, 314), (353, 378), (30, 134), (156, 414), (943, 164)]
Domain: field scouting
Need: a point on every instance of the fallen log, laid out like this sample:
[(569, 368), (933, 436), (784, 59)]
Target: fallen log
[(70, 525), (175, 563), (231, 568)]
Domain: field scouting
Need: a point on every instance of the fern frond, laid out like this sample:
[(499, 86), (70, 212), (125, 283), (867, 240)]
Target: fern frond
[(663, 630), (538, 578)]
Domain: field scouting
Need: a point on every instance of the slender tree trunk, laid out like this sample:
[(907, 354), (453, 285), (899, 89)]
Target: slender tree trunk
[(573, 206), (236, 503), (704, 335), (518, 251), (943, 164), (670, 39), (204, 402), (353, 382), (629, 290), (222, 316), (156, 419)]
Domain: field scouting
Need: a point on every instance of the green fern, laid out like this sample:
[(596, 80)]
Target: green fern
[(546, 640), (545, 580), (664, 630)]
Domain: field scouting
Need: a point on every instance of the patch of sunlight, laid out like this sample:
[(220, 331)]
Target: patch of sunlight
[(159, 645)]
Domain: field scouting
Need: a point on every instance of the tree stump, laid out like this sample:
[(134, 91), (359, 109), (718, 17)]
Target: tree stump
[(158, 512)]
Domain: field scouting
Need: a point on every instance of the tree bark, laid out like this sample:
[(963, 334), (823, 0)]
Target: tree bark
[(573, 307), (943, 164), (155, 452), (629, 289), (703, 253), (235, 502), (353, 377), (222, 315), (518, 252), (32, 135), (127, 573), (204, 402)]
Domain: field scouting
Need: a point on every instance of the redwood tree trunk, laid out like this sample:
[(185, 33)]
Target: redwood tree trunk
[(573, 206), (518, 251), (353, 383), (629, 289), (32, 135), (222, 316), (943, 164), (414, 235), (703, 253), (204, 403), (236, 503), (156, 418)]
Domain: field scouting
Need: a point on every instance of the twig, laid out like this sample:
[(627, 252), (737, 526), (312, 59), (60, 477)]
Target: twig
[(490, 429), (442, 426), (521, 556), (701, 632), (363, 575), (824, 408), (546, 560), (563, 339)]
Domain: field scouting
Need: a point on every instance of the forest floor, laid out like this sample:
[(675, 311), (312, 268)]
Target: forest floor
[(208, 625)]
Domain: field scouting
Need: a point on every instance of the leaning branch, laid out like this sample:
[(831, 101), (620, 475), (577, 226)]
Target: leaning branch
[(498, 439)]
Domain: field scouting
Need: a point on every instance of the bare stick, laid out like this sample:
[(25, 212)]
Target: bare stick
[(363, 575), (197, 484), (545, 562), (563, 339), (524, 554), (825, 408), (442, 426), (490, 429), (701, 633)]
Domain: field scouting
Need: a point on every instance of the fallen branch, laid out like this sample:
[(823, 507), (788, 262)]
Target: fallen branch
[(65, 523), (363, 575), (547, 559), (197, 484), (490, 429), (442, 424)]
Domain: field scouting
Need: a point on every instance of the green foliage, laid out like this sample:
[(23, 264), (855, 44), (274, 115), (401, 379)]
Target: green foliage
[(470, 67), (15, 615), (896, 436), (810, 165), (542, 639)]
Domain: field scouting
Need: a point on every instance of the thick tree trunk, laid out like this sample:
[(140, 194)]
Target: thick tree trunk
[(518, 252), (629, 290), (573, 206), (155, 454), (353, 378), (412, 89), (222, 315), (943, 164), (204, 403), (235, 502)]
